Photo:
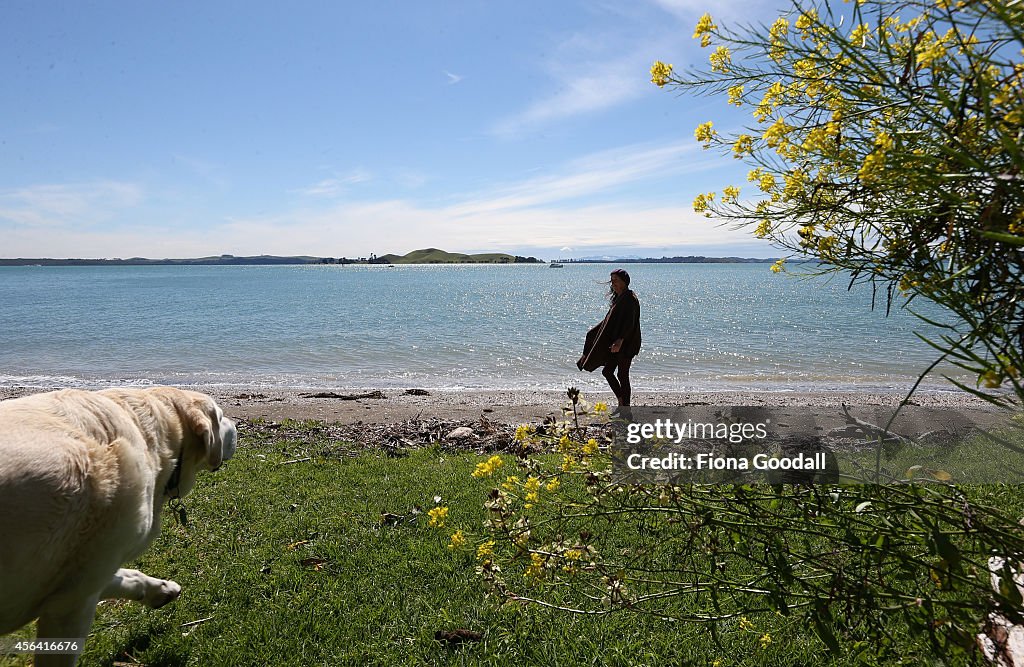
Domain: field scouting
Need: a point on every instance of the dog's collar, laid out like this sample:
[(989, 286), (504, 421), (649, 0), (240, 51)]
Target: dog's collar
[(171, 490), (174, 495)]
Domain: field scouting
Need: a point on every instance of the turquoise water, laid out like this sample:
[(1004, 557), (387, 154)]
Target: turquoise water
[(717, 326)]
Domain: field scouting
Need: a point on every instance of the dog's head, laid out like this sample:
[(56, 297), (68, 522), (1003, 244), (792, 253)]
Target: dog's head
[(208, 438)]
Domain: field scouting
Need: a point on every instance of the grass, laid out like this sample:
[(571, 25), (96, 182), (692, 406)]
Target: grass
[(331, 562)]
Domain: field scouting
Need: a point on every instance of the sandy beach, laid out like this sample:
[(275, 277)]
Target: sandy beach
[(347, 406)]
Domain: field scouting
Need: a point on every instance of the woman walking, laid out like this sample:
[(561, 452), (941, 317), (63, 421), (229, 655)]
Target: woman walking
[(616, 340)]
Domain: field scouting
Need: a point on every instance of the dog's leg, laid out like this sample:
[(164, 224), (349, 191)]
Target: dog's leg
[(70, 625), (134, 585)]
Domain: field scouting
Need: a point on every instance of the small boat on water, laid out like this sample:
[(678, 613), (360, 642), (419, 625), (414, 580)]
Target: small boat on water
[(555, 265)]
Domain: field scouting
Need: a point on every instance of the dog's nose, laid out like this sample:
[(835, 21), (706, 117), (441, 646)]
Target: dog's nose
[(229, 440)]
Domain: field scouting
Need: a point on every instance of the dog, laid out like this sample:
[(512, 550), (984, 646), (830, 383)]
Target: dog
[(84, 477)]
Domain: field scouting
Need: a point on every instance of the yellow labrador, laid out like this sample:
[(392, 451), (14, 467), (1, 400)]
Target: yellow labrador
[(83, 480)]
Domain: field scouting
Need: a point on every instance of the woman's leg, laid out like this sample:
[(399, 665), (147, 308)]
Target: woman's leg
[(624, 387), (609, 374)]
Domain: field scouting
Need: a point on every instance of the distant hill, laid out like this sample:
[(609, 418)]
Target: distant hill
[(142, 261), (435, 256), (425, 256)]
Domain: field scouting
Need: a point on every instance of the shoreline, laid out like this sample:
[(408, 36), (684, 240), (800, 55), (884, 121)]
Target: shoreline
[(354, 406)]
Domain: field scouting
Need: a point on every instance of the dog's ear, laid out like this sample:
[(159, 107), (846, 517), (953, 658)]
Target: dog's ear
[(205, 424)]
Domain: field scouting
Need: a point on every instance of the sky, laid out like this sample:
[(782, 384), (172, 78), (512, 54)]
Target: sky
[(189, 129)]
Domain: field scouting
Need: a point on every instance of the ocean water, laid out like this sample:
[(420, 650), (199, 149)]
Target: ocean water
[(705, 327)]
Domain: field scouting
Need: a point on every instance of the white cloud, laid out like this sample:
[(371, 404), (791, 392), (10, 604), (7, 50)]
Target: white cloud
[(452, 78), (63, 205)]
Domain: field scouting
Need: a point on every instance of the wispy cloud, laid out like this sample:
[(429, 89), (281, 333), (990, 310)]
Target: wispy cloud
[(595, 173), (603, 86), (335, 185), (453, 78), (68, 204)]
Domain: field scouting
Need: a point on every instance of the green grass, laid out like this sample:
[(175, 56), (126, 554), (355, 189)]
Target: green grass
[(383, 587), (976, 459)]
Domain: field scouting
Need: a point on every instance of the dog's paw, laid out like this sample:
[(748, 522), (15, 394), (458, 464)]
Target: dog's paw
[(162, 592)]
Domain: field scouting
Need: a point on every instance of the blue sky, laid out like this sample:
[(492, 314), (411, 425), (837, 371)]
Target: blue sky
[(186, 129)]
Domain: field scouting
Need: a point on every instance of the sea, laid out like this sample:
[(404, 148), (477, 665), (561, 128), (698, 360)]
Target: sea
[(706, 327)]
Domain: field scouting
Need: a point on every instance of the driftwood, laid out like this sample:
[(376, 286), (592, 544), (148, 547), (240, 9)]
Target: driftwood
[(345, 397), (873, 431)]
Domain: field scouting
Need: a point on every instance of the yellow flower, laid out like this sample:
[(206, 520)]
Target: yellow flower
[(827, 246), (730, 194), (771, 98), (775, 135), (859, 35), (822, 139), (511, 483), (437, 516), (736, 95), (536, 567), (565, 444), (991, 379), (458, 540), (796, 181), (704, 28), (806, 234), (765, 640), (702, 202), (591, 447), (484, 550), (745, 624), (721, 59), (553, 485), (874, 163), (487, 468), (743, 145), (660, 73), (523, 432), (780, 28), (805, 22), (805, 69), (779, 266), (600, 408), (763, 229), (568, 463), (704, 133)]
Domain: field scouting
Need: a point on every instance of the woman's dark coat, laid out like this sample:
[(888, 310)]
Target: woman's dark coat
[(622, 321)]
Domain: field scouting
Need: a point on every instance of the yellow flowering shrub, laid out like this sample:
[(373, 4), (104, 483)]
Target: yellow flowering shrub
[(881, 120), (565, 532)]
